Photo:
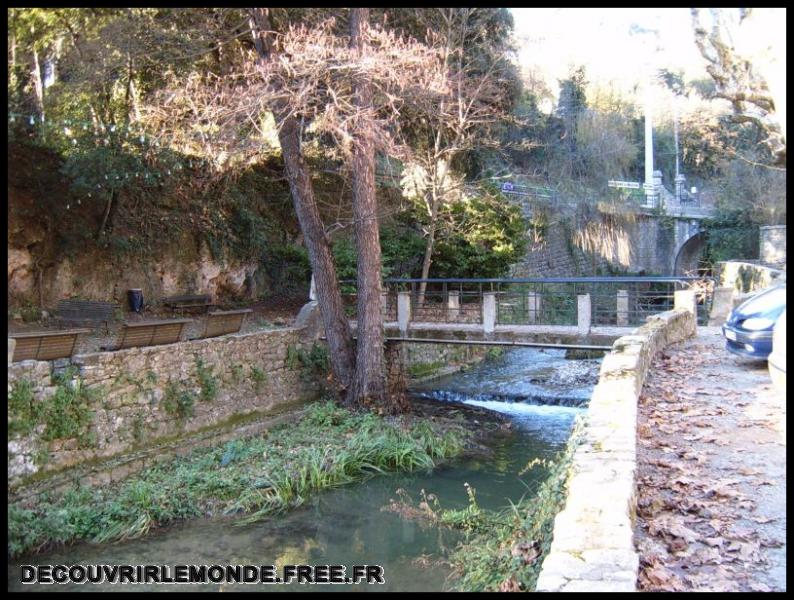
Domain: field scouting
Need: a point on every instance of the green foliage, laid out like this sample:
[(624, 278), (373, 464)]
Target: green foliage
[(259, 377), (730, 236), (138, 428), (314, 363), (420, 370), (494, 353), (30, 312), (23, 411), (207, 381), (262, 475), (487, 558), (488, 236), (178, 401), (237, 373), (66, 414)]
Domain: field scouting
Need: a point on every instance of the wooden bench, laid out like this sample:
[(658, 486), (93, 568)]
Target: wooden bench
[(86, 312), (45, 345), (149, 333), (222, 322), (200, 301)]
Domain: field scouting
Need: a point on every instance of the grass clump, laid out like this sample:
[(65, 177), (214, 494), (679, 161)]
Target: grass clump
[(207, 381), (504, 550), (259, 378), (178, 401), (328, 447)]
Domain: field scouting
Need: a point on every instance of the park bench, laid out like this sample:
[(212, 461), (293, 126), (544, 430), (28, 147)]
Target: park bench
[(149, 333), (45, 345), (222, 322), (200, 301), (86, 312)]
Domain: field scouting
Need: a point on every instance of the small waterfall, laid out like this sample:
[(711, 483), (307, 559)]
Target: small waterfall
[(533, 399)]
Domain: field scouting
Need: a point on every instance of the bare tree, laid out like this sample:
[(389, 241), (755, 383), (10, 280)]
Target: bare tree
[(337, 328), (444, 130), (350, 89), (740, 79)]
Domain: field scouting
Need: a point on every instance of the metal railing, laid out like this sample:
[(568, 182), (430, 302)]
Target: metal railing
[(617, 301)]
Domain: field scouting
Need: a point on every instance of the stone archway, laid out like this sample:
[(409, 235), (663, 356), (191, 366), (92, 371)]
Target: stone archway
[(688, 256)]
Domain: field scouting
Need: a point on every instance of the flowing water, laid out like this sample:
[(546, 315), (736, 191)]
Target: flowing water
[(538, 390)]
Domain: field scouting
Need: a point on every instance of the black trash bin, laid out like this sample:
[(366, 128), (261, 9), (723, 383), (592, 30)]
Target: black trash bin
[(135, 296)]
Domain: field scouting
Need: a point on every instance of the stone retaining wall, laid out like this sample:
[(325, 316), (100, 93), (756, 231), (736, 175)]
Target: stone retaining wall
[(744, 277), (144, 396), (593, 547)]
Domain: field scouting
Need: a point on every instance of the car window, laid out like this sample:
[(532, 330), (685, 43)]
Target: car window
[(766, 301)]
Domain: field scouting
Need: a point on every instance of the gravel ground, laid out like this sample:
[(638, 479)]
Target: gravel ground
[(711, 472)]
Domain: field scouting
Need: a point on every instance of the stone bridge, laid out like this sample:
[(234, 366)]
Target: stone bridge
[(666, 238)]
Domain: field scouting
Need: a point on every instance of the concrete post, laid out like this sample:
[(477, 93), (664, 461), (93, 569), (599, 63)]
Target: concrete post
[(403, 310), (12, 344), (685, 300), (721, 305), (384, 305), (680, 184), (312, 291), (533, 307), (623, 308), (489, 312), (583, 314), (453, 304)]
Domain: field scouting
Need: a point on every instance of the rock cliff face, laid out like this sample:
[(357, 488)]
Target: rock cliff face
[(40, 271)]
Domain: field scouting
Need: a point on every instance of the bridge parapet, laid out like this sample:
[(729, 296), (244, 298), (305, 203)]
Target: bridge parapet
[(582, 303)]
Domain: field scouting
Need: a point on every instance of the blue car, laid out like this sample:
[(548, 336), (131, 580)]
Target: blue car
[(748, 330)]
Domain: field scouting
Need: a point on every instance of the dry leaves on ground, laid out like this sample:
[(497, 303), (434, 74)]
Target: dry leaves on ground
[(691, 500)]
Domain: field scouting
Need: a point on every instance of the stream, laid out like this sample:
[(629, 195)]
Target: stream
[(538, 390)]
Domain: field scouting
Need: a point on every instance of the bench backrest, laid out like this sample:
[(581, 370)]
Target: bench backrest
[(86, 310), (46, 345), (223, 322), (198, 300), (151, 333)]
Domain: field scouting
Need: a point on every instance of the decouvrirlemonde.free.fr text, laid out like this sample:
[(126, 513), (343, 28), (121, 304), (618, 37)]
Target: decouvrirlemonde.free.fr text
[(201, 574)]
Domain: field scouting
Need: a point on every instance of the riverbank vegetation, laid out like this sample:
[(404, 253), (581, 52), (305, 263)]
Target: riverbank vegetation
[(327, 447), (503, 550)]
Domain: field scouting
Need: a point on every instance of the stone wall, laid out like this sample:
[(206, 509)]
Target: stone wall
[(143, 396), (615, 243), (448, 358), (773, 245), (745, 277), (592, 548)]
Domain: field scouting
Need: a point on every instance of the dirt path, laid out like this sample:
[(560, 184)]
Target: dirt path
[(711, 472)]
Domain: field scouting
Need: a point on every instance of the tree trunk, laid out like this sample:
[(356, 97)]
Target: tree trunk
[(106, 216), (426, 261), (431, 240), (329, 297), (38, 84), (369, 387)]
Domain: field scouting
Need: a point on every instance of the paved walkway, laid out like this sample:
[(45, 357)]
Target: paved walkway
[(711, 472)]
